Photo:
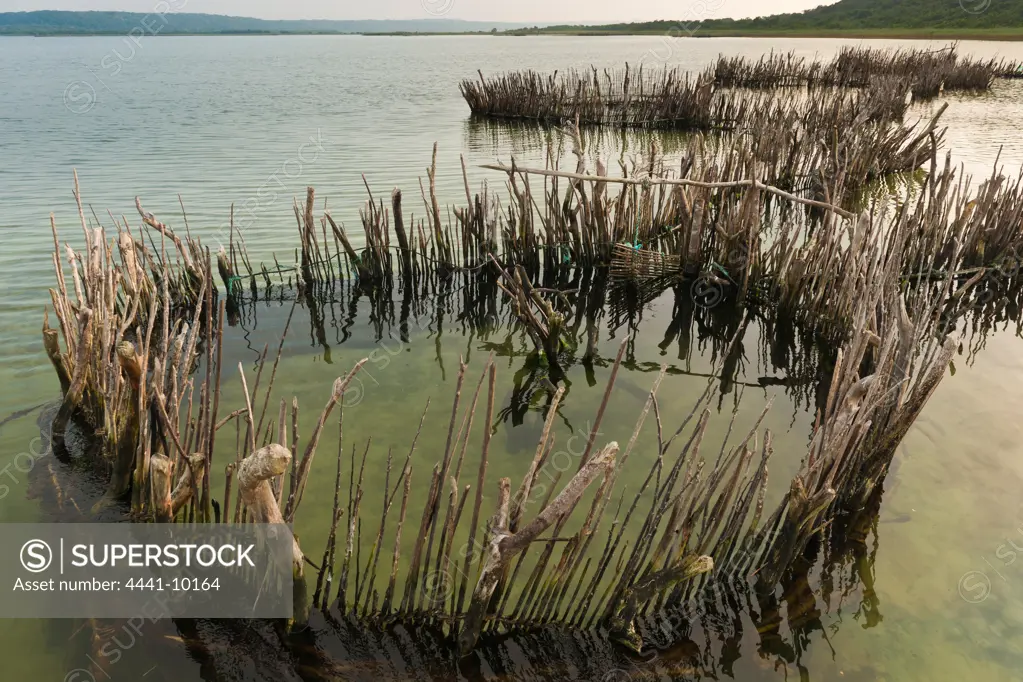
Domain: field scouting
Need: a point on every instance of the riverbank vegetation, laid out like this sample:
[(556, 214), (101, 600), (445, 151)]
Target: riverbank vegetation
[(970, 19), (171, 22)]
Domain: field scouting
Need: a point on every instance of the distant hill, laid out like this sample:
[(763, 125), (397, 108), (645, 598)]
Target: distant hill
[(890, 14), (963, 17), (102, 23), (953, 18)]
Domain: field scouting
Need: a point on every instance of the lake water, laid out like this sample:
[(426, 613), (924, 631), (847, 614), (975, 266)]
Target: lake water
[(238, 120)]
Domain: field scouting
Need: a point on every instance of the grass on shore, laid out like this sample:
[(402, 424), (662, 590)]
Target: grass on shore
[(1005, 33)]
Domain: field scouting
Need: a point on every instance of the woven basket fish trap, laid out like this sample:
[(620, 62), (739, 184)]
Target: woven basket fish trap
[(627, 262)]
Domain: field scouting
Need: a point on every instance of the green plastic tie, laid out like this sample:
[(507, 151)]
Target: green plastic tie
[(230, 283), (716, 265)]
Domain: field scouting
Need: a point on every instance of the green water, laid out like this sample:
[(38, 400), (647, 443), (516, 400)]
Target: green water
[(222, 120), (391, 392)]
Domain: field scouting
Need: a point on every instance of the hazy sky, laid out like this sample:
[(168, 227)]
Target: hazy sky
[(573, 11)]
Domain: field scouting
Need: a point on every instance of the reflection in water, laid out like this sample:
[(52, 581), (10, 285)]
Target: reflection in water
[(262, 130), (729, 626), (523, 139), (770, 352), (743, 633), (469, 305)]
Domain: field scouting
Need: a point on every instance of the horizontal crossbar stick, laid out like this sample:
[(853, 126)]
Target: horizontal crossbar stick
[(673, 181)]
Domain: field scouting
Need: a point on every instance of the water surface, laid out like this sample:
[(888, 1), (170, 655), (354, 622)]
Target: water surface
[(254, 120)]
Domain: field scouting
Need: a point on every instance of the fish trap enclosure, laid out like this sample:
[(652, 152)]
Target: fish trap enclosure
[(660, 520), (924, 73), (724, 96)]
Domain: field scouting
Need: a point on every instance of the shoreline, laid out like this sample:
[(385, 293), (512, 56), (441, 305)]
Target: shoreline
[(1001, 34), (995, 35)]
